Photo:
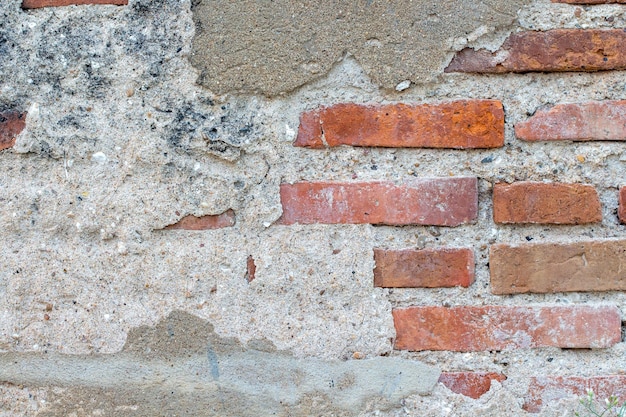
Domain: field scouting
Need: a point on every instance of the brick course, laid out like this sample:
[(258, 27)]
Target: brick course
[(552, 50), (546, 203), (595, 120), (458, 124), (445, 267), (467, 329), (556, 267), (432, 201)]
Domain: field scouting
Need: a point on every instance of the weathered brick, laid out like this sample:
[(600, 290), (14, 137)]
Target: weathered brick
[(538, 202), (250, 269), (549, 389), (433, 201), (36, 4), (467, 329), (595, 120), (430, 268), (11, 124), (470, 384), (552, 50), (621, 211), (458, 124), (226, 219), (558, 267)]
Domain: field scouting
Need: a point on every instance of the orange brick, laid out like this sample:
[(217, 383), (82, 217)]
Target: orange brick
[(11, 124), (434, 201), (470, 384), (467, 329), (558, 267), (226, 219), (550, 389), (546, 203), (36, 4), (595, 120), (552, 50), (429, 268), (250, 269), (458, 124)]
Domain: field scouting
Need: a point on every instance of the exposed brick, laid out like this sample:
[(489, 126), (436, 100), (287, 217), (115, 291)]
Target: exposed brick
[(595, 120), (467, 329), (557, 267), (250, 269), (621, 211), (430, 268), (11, 124), (538, 202), (433, 201), (552, 50), (470, 384), (548, 390), (226, 219), (458, 124), (36, 4)]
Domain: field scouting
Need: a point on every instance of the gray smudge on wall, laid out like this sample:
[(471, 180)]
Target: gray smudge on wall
[(273, 48), (169, 368)]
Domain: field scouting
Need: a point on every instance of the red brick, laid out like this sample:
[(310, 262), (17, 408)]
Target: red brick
[(468, 329), (226, 219), (546, 203), (595, 120), (434, 201), (548, 390), (552, 50), (429, 268), (622, 205), (470, 384), (36, 4), (558, 267), (11, 124), (250, 269), (459, 124)]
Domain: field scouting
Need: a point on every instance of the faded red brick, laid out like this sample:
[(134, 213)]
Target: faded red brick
[(621, 211), (470, 384), (558, 267), (546, 203), (458, 125), (594, 120), (552, 50), (433, 201), (36, 4), (226, 219), (11, 124), (429, 268), (250, 269), (550, 389), (468, 329)]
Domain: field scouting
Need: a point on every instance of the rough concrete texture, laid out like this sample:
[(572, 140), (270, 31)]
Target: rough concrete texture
[(181, 368), (120, 142), (271, 49)]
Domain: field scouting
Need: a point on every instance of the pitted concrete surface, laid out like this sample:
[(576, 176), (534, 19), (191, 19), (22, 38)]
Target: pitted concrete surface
[(247, 47)]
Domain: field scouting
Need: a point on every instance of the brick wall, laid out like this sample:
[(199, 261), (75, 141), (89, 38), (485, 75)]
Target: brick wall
[(501, 248)]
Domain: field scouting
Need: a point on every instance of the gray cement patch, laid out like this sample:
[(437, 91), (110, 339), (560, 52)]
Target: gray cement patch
[(182, 366), (275, 47)]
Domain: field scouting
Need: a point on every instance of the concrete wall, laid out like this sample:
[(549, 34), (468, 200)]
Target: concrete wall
[(196, 198)]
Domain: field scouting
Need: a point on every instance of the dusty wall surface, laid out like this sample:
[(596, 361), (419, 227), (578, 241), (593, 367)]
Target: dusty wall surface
[(139, 115)]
